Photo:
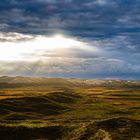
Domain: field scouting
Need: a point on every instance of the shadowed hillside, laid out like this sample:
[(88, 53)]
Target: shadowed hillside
[(115, 128), (111, 129)]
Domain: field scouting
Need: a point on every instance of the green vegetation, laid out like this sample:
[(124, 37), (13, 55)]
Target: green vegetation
[(69, 109)]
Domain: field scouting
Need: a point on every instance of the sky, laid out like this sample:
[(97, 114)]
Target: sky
[(70, 38)]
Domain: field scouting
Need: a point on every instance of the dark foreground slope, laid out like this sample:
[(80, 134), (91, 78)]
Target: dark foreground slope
[(111, 129), (115, 128), (69, 109)]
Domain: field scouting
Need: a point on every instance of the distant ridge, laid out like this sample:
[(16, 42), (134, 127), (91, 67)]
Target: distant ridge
[(69, 82)]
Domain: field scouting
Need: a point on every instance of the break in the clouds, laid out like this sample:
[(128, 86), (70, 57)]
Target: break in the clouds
[(70, 38)]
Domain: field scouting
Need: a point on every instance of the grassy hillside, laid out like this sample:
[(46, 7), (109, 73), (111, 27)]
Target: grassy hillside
[(69, 109)]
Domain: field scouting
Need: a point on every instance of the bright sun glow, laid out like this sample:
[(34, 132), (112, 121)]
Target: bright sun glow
[(11, 51)]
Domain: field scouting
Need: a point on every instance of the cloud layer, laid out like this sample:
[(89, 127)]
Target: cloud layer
[(111, 27)]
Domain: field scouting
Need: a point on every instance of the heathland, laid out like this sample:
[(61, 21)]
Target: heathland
[(69, 109)]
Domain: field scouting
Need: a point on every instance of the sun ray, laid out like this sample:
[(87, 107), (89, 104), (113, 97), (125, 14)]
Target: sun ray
[(11, 51)]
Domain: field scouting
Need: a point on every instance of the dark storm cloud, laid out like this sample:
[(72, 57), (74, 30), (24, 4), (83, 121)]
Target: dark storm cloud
[(83, 18), (113, 26)]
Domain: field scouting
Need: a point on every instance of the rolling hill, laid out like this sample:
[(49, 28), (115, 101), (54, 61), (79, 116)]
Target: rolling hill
[(69, 109)]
